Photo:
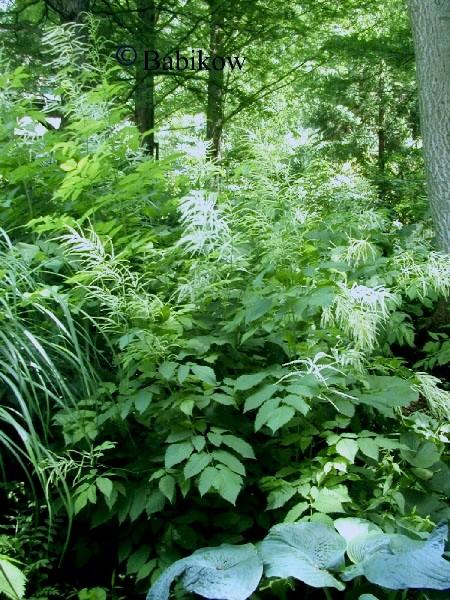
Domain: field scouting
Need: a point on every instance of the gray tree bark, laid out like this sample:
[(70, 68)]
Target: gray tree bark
[(145, 80), (430, 21), (215, 102)]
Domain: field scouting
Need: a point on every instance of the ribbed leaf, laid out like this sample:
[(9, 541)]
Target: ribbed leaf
[(303, 551), (397, 562), (223, 573)]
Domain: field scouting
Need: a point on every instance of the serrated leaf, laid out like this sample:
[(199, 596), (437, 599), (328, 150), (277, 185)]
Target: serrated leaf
[(278, 498), (183, 372), (167, 369), (229, 460), (424, 457), (198, 442), (238, 445), (138, 559), (265, 411), (259, 397), (297, 402), (245, 382), (208, 479), (347, 448), (143, 399), (369, 447), (230, 484), (105, 485), (387, 393), (167, 487), (196, 463), (204, 373), (155, 502), (279, 417), (176, 453), (296, 512), (330, 500), (12, 580)]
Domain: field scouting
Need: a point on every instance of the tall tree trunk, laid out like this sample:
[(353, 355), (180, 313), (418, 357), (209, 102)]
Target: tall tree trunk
[(72, 10), (145, 80), (430, 20), (381, 134), (215, 105)]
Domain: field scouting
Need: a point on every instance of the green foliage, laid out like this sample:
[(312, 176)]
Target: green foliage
[(307, 551), (12, 580), (193, 353)]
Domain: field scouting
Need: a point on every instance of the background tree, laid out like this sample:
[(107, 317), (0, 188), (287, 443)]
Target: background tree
[(431, 31)]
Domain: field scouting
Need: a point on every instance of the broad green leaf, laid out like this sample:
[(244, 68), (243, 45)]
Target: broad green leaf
[(257, 309), (68, 165), (245, 382), (176, 453), (142, 399), (229, 460), (265, 411), (204, 373), (369, 447), (279, 417), (183, 372), (138, 559), (296, 512), (424, 457), (230, 484), (105, 486), (224, 399), (259, 397), (199, 442), (167, 487), (224, 573), (387, 393), (167, 369), (330, 500), (12, 580), (296, 402), (154, 503), (238, 445), (209, 478), (196, 463), (305, 551), (347, 448), (278, 498)]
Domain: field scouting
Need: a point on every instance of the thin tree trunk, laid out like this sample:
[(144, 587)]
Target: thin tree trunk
[(145, 80), (215, 105), (430, 20), (381, 135)]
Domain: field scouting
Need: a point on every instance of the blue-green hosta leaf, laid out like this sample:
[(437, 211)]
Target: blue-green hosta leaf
[(223, 573), (352, 527), (304, 551), (12, 580), (398, 562)]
